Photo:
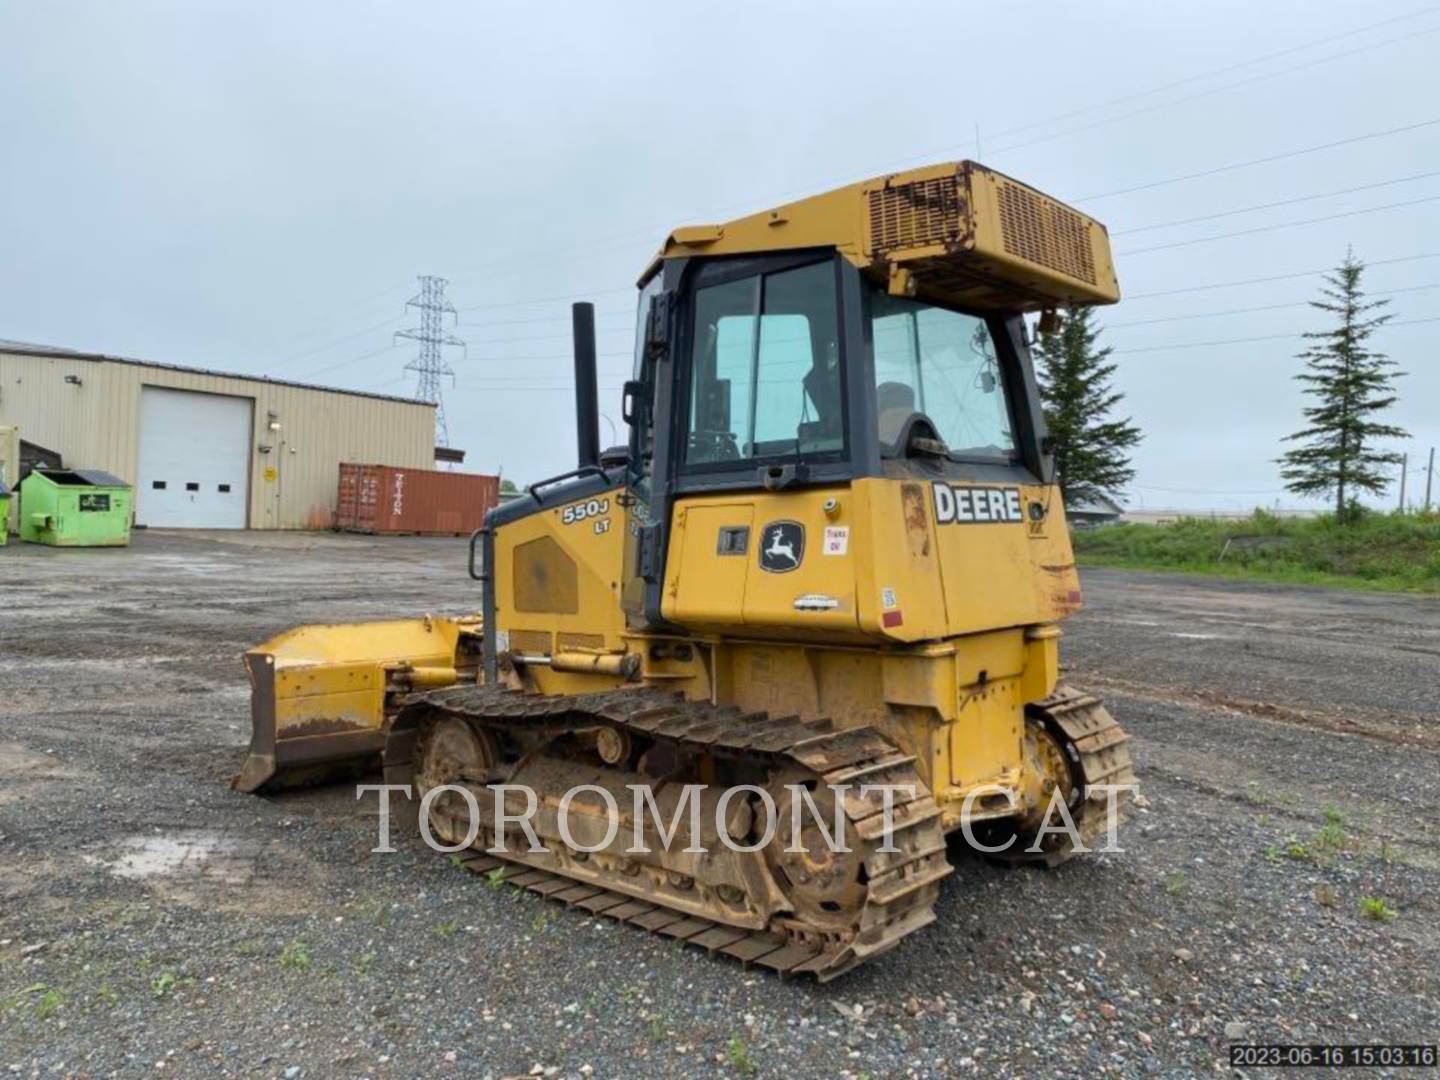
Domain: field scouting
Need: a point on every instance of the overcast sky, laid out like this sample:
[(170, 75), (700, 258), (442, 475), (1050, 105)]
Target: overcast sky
[(253, 187)]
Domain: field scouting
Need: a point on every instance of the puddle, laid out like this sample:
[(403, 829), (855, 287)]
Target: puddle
[(189, 854)]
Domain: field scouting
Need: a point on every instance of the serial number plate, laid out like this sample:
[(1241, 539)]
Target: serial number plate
[(1334, 1056)]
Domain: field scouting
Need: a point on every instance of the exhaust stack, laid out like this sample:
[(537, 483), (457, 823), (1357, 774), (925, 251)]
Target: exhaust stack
[(587, 399)]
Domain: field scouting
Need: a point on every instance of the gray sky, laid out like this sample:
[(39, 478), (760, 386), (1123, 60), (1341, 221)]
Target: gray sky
[(252, 187)]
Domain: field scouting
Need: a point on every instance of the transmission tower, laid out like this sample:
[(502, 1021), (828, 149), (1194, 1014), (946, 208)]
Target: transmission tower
[(429, 366)]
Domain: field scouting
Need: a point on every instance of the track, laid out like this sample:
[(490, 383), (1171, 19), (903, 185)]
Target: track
[(806, 911)]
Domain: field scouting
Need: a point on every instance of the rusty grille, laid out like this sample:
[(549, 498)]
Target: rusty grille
[(917, 214), (1045, 233)]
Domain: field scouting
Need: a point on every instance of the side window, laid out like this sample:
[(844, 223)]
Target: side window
[(772, 389), (721, 373), (942, 364)]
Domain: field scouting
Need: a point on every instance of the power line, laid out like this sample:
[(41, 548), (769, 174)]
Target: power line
[(627, 315), (1220, 71), (1249, 310), (1281, 225), (1258, 161), (1276, 277), (1247, 340), (348, 361), (1218, 89), (344, 338), (548, 299), (1281, 202), (891, 166)]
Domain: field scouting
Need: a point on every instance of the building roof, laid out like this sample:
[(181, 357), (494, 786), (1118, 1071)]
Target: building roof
[(25, 348)]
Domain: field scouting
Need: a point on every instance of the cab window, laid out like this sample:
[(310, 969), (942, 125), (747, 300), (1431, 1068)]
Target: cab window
[(940, 364), (765, 368)]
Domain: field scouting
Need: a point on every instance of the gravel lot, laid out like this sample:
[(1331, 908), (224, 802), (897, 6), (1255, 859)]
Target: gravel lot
[(152, 921)]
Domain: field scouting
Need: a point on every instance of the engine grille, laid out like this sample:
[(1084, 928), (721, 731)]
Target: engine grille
[(1045, 233), (916, 214)]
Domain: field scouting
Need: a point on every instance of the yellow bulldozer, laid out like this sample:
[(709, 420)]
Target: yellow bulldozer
[(827, 574)]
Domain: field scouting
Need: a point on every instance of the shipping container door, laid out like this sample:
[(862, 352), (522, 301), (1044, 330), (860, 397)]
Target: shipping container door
[(194, 459)]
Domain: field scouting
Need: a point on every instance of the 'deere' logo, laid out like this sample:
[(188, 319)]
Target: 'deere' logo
[(782, 546)]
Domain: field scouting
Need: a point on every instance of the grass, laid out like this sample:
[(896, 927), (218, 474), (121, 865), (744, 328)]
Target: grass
[(739, 1055), (49, 1004), (162, 984), (1375, 907), (1392, 552), (296, 956)]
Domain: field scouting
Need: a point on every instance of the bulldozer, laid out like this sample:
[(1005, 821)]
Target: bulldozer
[(828, 570)]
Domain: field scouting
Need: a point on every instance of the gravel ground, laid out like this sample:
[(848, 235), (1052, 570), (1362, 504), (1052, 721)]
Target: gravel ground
[(152, 921)]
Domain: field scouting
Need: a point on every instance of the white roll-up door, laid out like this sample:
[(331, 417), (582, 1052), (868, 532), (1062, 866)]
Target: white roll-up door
[(194, 459)]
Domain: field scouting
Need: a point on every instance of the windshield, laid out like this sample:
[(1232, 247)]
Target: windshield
[(942, 364), (765, 368)]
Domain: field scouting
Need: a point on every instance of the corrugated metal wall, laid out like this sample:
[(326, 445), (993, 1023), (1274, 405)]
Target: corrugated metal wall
[(97, 424)]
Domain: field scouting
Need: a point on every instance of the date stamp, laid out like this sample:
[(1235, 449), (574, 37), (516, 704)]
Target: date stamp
[(1334, 1056)]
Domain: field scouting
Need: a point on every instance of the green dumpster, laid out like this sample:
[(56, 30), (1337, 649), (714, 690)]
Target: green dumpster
[(74, 508), (4, 514)]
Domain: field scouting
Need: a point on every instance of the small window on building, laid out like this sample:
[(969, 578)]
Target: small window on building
[(224, 489), (192, 486), (158, 485)]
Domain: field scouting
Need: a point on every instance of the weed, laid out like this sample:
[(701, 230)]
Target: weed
[(1175, 882), (495, 878), (447, 929), (739, 1055), (365, 962), (107, 997), (457, 862), (1375, 907), (1325, 896), (1333, 816), (1295, 848), (1388, 852), (657, 1028), (295, 955), (162, 984), (1331, 837), (542, 921), (1274, 853), (49, 1003)]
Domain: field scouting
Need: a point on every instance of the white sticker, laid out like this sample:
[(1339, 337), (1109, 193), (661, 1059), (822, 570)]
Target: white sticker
[(837, 540), (816, 602), (887, 598)]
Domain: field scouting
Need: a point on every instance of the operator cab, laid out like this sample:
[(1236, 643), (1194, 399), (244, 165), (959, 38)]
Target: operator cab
[(798, 369)]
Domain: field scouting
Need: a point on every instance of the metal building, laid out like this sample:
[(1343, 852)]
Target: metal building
[(204, 449)]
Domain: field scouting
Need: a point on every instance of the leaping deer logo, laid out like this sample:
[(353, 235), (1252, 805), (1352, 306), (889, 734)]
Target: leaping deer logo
[(784, 547)]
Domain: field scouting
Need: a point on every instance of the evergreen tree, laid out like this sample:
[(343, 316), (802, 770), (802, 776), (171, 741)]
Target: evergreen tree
[(1351, 387), (1074, 377)]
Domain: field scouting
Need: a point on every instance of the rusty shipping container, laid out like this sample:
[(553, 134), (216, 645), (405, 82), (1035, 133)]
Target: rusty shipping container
[(388, 499)]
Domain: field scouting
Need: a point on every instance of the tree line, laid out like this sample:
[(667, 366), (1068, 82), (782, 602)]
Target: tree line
[(1338, 453)]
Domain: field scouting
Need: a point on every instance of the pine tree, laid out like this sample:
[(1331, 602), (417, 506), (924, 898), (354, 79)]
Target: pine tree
[(1074, 377), (1351, 387)]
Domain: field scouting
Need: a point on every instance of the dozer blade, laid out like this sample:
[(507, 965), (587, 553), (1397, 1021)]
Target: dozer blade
[(318, 694)]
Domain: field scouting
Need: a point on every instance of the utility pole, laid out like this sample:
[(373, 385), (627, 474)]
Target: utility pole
[(1429, 478), (429, 366), (1404, 461)]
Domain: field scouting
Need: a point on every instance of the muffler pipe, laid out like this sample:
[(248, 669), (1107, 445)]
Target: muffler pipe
[(587, 397)]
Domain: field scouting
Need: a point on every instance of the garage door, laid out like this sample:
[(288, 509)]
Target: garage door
[(194, 459)]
